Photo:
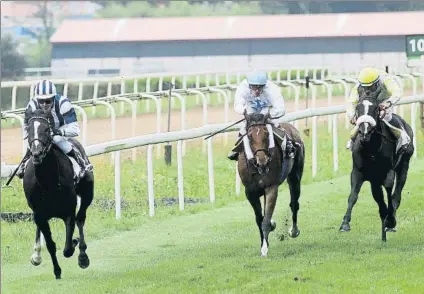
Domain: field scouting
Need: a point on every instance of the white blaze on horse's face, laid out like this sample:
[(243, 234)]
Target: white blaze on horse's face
[(367, 105), (36, 126)]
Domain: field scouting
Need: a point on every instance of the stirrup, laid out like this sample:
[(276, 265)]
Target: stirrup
[(89, 167)]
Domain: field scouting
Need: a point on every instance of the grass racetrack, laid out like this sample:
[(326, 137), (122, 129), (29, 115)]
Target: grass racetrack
[(214, 247)]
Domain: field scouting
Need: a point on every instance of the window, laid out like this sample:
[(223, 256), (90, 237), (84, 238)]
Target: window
[(104, 72)]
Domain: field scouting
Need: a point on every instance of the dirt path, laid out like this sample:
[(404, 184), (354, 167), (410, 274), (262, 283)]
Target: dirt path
[(99, 130)]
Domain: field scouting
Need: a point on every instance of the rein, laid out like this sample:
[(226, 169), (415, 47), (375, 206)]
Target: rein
[(47, 147), (265, 150), (379, 119)]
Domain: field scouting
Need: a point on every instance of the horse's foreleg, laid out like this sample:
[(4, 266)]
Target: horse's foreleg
[(294, 186), (356, 182), (377, 193), (389, 222), (255, 202), (70, 244), (50, 244), (36, 255), (267, 226)]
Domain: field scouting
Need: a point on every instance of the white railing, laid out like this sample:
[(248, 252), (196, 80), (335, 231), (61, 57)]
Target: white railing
[(95, 81), (179, 136)]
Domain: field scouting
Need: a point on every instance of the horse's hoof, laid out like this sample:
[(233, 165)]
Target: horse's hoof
[(36, 261), (344, 228), (68, 253), (58, 273), (392, 230), (273, 225), (389, 223), (83, 261), (264, 250), (294, 233)]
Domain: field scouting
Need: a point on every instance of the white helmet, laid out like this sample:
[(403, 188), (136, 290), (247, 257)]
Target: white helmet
[(44, 90)]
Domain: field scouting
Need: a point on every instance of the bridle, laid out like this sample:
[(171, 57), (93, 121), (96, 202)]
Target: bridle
[(47, 144), (378, 118), (260, 170)]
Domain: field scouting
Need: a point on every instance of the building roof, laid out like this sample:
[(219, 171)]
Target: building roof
[(239, 27), (14, 9)]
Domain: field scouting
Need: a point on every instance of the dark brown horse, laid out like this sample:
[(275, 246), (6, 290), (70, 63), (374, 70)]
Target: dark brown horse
[(262, 175)]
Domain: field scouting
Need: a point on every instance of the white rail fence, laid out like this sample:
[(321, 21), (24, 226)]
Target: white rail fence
[(223, 90), (121, 80), (323, 72), (116, 146)]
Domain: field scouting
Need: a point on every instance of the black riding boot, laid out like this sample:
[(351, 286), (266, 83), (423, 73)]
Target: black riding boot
[(21, 171), (397, 124), (234, 155), (77, 156), (289, 152)]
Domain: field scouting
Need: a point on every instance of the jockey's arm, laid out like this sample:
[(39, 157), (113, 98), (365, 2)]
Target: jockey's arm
[(278, 108), (394, 89), (240, 98), (352, 101), (71, 127)]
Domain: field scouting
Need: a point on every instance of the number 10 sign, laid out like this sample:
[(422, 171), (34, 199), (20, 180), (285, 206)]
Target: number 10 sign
[(414, 46)]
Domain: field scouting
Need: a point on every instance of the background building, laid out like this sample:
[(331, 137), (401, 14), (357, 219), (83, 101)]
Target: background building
[(138, 45)]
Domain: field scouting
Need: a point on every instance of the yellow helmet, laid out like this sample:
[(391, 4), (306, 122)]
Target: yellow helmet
[(368, 76)]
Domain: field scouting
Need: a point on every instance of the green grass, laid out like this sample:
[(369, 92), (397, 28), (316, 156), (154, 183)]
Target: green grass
[(213, 247), (218, 251)]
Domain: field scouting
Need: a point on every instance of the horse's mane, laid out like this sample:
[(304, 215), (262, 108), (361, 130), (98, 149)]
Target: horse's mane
[(41, 113), (255, 117), (368, 95)]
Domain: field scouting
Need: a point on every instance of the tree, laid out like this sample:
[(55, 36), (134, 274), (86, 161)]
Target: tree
[(39, 54), (12, 62)]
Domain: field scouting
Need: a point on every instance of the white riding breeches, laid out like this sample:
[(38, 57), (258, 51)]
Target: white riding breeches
[(62, 143)]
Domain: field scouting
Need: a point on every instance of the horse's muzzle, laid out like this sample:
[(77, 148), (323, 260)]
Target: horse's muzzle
[(262, 158), (37, 157)]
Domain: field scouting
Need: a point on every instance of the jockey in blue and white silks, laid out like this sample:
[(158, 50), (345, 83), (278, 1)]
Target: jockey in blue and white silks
[(258, 94), (65, 121)]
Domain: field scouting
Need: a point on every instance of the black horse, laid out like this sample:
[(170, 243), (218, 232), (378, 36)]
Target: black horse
[(50, 191), (268, 170), (375, 160)]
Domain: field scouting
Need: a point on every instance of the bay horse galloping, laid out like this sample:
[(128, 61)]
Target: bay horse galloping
[(269, 168), (374, 159), (51, 192)]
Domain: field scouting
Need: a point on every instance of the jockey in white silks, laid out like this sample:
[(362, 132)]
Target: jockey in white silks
[(65, 122), (258, 94)]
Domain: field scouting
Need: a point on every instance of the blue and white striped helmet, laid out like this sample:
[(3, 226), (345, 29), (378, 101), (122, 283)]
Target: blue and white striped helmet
[(257, 78), (44, 90)]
